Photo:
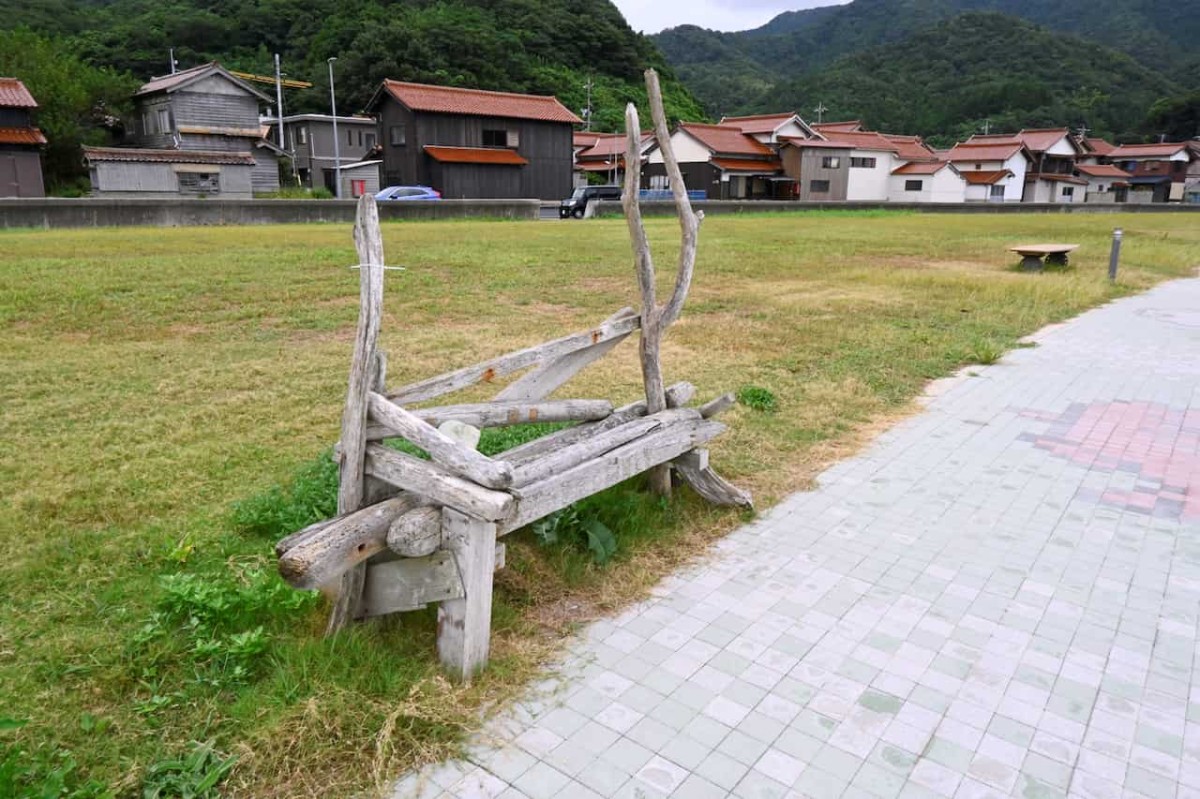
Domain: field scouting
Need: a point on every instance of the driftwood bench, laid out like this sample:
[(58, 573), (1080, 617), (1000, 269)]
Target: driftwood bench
[(1032, 254), (411, 531)]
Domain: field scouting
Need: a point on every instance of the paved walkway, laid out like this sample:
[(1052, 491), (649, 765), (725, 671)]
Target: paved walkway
[(998, 598)]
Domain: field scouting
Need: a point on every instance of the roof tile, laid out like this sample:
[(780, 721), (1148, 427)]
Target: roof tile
[(21, 136), (726, 140), (476, 102), (475, 155), (1165, 149), (748, 164), (759, 123), (1102, 171), (135, 154), (13, 94)]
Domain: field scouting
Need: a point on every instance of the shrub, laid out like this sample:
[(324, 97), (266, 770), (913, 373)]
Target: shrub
[(758, 398)]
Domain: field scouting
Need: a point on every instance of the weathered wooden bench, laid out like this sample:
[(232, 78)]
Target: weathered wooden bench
[(411, 532), (1032, 254)]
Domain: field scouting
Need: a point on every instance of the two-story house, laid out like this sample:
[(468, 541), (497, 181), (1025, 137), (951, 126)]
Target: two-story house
[(196, 132), (20, 142), (1053, 152), (999, 166), (310, 140), (721, 161), (468, 143), (1158, 172)]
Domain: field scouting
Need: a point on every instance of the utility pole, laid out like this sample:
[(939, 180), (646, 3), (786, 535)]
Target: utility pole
[(987, 127), (337, 149), (820, 109), (171, 56), (587, 112), (279, 102)]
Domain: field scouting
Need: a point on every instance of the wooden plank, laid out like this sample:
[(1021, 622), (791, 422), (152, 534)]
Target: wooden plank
[(540, 499), (364, 372), (694, 469), (405, 584), (512, 362), (416, 533), (595, 446), (328, 550), (1043, 249), (678, 394), (503, 414), (436, 483), (444, 450), (544, 380), (464, 625)]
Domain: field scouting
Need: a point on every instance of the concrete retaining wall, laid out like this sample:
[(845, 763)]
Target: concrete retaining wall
[(99, 212), (771, 206)]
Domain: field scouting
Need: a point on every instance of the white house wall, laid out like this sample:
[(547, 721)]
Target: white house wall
[(948, 186), (1062, 147), (687, 150), (870, 185), (791, 130)]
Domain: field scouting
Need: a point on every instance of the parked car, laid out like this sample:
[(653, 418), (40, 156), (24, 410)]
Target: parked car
[(409, 193), (577, 203)]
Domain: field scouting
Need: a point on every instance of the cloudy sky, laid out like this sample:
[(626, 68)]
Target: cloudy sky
[(651, 16)]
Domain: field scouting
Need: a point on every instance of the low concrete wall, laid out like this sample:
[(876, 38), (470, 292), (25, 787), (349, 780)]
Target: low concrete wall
[(98, 212), (771, 206)]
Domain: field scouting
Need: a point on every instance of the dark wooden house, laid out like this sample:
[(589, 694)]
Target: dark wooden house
[(474, 144), (20, 142)]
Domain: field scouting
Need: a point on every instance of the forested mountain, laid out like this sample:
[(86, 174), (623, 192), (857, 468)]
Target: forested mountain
[(731, 72), (945, 82)]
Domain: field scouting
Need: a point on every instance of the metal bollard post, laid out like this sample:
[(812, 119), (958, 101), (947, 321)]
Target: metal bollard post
[(1115, 256)]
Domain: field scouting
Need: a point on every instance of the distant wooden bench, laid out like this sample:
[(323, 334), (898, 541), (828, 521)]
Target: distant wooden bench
[(1032, 254)]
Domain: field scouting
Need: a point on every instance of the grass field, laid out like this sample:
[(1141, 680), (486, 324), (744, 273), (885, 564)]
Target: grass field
[(160, 385)]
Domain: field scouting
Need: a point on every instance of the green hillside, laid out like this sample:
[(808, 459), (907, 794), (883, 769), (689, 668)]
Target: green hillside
[(727, 71), (945, 82)]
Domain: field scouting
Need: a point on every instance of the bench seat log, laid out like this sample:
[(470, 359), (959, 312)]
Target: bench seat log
[(453, 455), (405, 584), (678, 395), (514, 361), (694, 469), (503, 414), (557, 492), (544, 380), (436, 483), (595, 446), (321, 553), (417, 532), (718, 405)]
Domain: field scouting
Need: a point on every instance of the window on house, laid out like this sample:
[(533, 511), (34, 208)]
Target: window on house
[(396, 135), (147, 123), (1068, 191), (350, 136), (914, 185), (370, 140), (514, 139), (978, 167), (164, 120), (199, 183), (302, 132), (862, 163), (831, 162), (1100, 187), (495, 138), (818, 186), (996, 192)]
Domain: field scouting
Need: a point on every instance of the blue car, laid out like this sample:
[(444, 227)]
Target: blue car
[(408, 193)]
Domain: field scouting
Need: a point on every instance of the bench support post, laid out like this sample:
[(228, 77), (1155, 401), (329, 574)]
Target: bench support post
[(1031, 263), (465, 625)]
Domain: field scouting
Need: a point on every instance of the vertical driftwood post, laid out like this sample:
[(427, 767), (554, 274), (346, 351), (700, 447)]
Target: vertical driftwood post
[(656, 319), (465, 625), (364, 374)]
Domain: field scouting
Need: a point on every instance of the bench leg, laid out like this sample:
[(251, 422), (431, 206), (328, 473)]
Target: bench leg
[(1031, 263), (465, 625), (1057, 258)]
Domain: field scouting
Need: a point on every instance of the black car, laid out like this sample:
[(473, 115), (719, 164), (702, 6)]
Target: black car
[(577, 203)]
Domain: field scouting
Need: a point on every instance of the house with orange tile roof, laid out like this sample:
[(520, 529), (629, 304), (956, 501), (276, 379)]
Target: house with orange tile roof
[(1053, 153), (1162, 172), (772, 128), (932, 182), (1008, 158), (722, 161), (600, 157), (469, 143), (20, 142)]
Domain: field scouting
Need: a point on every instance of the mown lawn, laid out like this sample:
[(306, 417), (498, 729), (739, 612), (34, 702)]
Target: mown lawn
[(153, 379)]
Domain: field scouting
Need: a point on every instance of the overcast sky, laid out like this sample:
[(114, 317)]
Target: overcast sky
[(651, 16)]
